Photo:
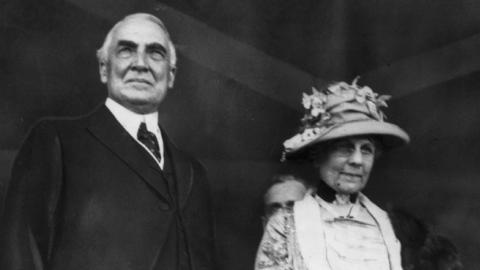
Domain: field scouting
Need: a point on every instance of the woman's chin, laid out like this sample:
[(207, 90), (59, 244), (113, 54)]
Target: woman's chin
[(348, 188)]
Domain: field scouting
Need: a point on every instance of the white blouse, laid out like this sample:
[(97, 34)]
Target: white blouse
[(314, 236), (353, 241)]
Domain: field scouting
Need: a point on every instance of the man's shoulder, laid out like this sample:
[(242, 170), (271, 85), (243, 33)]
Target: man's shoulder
[(67, 121), (61, 124)]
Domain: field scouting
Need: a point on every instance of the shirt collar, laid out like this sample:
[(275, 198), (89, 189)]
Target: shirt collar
[(131, 120), (359, 212)]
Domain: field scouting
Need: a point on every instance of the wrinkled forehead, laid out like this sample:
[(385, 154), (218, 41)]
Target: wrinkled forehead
[(140, 31), (357, 139), (322, 151)]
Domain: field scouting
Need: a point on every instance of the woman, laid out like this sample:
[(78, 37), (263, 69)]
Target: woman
[(338, 228)]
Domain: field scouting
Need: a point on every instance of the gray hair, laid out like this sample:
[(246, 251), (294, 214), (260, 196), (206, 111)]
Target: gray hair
[(102, 53)]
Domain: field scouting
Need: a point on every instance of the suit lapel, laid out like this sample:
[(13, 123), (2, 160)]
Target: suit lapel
[(182, 170), (109, 132)]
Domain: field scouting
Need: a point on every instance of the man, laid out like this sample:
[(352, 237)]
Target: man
[(283, 192), (109, 190)]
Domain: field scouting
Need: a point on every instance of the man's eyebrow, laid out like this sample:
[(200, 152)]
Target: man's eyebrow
[(274, 205), (150, 46), (157, 46), (127, 43)]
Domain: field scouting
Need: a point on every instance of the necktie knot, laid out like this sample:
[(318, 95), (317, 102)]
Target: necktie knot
[(149, 139)]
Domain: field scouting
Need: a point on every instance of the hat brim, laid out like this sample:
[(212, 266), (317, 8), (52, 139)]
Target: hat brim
[(391, 135)]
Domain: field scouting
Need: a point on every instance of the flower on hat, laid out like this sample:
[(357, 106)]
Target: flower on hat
[(318, 116), (365, 95), (315, 108), (338, 88), (343, 109)]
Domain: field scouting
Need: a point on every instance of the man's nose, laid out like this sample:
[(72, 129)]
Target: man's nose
[(139, 62)]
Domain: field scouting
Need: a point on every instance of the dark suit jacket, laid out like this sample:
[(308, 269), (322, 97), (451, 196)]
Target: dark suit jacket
[(85, 195)]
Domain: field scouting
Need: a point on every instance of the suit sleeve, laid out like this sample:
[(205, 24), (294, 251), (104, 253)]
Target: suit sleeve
[(28, 222), (201, 221)]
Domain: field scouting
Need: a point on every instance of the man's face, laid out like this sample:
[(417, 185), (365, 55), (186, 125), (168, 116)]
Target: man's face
[(347, 164), (137, 71), (283, 195)]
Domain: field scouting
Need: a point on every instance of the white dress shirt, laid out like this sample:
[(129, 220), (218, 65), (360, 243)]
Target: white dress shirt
[(131, 121)]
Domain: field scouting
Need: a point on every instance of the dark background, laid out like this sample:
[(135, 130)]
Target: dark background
[(242, 68)]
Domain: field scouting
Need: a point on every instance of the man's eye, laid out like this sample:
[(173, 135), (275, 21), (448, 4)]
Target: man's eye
[(157, 55), (124, 52), (289, 204)]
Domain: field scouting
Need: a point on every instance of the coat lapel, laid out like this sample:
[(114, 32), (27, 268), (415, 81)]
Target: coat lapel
[(110, 133), (386, 229), (182, 170), (310, 233)]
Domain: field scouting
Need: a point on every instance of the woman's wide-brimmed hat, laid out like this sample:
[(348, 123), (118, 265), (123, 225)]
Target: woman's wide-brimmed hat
[(343, 110)]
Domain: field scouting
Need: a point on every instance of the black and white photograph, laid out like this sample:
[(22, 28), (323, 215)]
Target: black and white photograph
[(237, 135)]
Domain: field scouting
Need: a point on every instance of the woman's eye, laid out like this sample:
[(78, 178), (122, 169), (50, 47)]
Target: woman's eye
[(367, 150), (343, 149)]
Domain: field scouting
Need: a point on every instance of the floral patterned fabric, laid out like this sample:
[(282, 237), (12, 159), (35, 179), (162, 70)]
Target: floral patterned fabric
[(278, 249)]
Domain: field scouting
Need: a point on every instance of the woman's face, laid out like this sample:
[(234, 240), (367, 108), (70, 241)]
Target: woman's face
[(346, 164)]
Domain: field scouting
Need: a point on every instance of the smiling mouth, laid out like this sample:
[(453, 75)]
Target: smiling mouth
[(351, 174)]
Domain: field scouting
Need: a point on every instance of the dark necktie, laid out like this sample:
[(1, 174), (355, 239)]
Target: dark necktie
[(149, 140)]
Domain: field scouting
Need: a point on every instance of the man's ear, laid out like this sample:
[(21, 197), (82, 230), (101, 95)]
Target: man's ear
[(171, 77), (102, 68)]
